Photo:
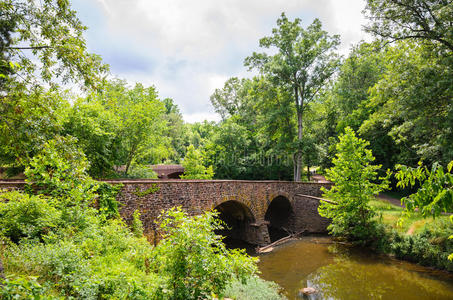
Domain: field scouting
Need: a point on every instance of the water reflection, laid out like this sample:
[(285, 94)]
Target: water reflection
[(339, 272)]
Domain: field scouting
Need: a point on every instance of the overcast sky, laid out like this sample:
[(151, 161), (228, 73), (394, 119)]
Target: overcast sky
[(188, 48)]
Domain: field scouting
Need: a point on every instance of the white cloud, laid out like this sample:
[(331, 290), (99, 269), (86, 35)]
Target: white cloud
[(189, 48)]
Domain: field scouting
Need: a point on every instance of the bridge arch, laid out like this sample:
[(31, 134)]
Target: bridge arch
[(239, 222), (279, 216), (175, 175)]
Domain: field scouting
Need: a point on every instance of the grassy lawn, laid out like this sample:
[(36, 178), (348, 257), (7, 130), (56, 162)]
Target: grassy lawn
[(390, 214)]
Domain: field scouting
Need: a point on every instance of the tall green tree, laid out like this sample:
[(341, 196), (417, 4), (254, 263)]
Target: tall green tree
[(304, 62), (140, 116), (355, 185)]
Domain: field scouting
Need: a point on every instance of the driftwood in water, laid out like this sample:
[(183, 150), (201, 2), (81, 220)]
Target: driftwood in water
[(270, 247)]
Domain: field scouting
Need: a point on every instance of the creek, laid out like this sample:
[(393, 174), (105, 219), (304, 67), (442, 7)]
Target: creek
[(338, 271)]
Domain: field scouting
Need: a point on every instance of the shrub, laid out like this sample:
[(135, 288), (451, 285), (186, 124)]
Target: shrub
[(105, 261), (60, 170), (25, 216), (255, 288), (192, 261), (21, 287), (137, 225), (108, 205)]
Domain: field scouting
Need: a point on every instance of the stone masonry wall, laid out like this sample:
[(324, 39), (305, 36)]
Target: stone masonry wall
[(150, 197)]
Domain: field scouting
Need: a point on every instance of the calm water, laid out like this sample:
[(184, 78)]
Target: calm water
[(339, 272)]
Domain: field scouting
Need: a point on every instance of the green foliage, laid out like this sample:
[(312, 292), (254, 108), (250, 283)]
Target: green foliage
[(107, 193), (255, 288), (192, 261), (137, 225), (255, 139), (42, 47), (355, 185), (429, 248), (304, 62), (26, 216), (194, 165), (53, 33), (21, 287), (139, 120), (175, 131), (435, 192), (412, 106), (104, 260), (141, 171), (151, 190), (426, 20), (95, 128), (59, 170)]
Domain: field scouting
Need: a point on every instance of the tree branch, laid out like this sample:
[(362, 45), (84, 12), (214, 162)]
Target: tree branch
[(29, 48)]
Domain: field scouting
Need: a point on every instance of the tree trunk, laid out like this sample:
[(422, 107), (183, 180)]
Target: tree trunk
[(298, 154)]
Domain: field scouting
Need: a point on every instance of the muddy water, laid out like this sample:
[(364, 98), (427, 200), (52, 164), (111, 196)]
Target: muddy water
[(340, 272)]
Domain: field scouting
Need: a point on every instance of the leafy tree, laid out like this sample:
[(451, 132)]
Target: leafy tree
[(27, 121), (256, 133), (425, 20), (193, 164), (96, 129), (192, 260), (303, 63), (41, 46), (139, 114), (412, 105), (355, 185), (228, 101), (435, 188), (48, 38), (59, 170), (359, 72), (175, 129)]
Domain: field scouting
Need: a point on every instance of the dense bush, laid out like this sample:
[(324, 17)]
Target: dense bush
[(60, 170), (192, 261), (25, 216), (429, 248)]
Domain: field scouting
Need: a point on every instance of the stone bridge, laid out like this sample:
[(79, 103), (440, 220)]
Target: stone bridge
[(257, 212)]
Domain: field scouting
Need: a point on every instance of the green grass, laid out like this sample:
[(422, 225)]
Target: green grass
[(391, 215)]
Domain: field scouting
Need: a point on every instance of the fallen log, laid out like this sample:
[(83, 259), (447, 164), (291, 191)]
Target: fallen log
[(270, 247)]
